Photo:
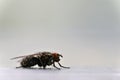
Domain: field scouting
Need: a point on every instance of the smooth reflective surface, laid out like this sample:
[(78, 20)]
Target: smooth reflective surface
[(63, 74)]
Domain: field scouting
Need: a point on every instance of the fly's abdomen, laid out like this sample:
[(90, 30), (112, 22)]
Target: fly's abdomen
[(29, 61)]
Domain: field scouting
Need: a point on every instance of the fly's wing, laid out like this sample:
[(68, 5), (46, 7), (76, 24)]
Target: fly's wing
[(26, 55), (18, 57)]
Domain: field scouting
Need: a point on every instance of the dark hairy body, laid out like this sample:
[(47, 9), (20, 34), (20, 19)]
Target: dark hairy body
[(42, 59)]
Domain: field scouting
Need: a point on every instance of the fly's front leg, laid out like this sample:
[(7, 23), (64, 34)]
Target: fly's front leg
[(55, 66), (63, 66)]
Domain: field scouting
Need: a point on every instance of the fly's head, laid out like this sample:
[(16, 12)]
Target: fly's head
[(56, 57)]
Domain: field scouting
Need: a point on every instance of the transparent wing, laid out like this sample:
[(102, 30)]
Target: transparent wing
[(26, 55)]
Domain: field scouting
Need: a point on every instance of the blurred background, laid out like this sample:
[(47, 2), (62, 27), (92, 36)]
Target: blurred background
[(85, 32)]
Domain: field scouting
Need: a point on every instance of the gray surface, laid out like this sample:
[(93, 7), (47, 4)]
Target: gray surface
[(63, 74)]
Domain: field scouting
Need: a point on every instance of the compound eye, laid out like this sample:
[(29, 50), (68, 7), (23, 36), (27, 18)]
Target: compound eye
[(60, 55)]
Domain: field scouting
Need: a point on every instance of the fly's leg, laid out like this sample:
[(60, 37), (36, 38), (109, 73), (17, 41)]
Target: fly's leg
[(63, 66), (56, 66), (44, 66), (18, 67)]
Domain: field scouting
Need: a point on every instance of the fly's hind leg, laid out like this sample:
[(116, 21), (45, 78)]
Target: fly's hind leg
[(18, 67)]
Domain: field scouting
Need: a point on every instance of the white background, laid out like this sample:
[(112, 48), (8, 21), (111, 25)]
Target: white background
[(86, 32)]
